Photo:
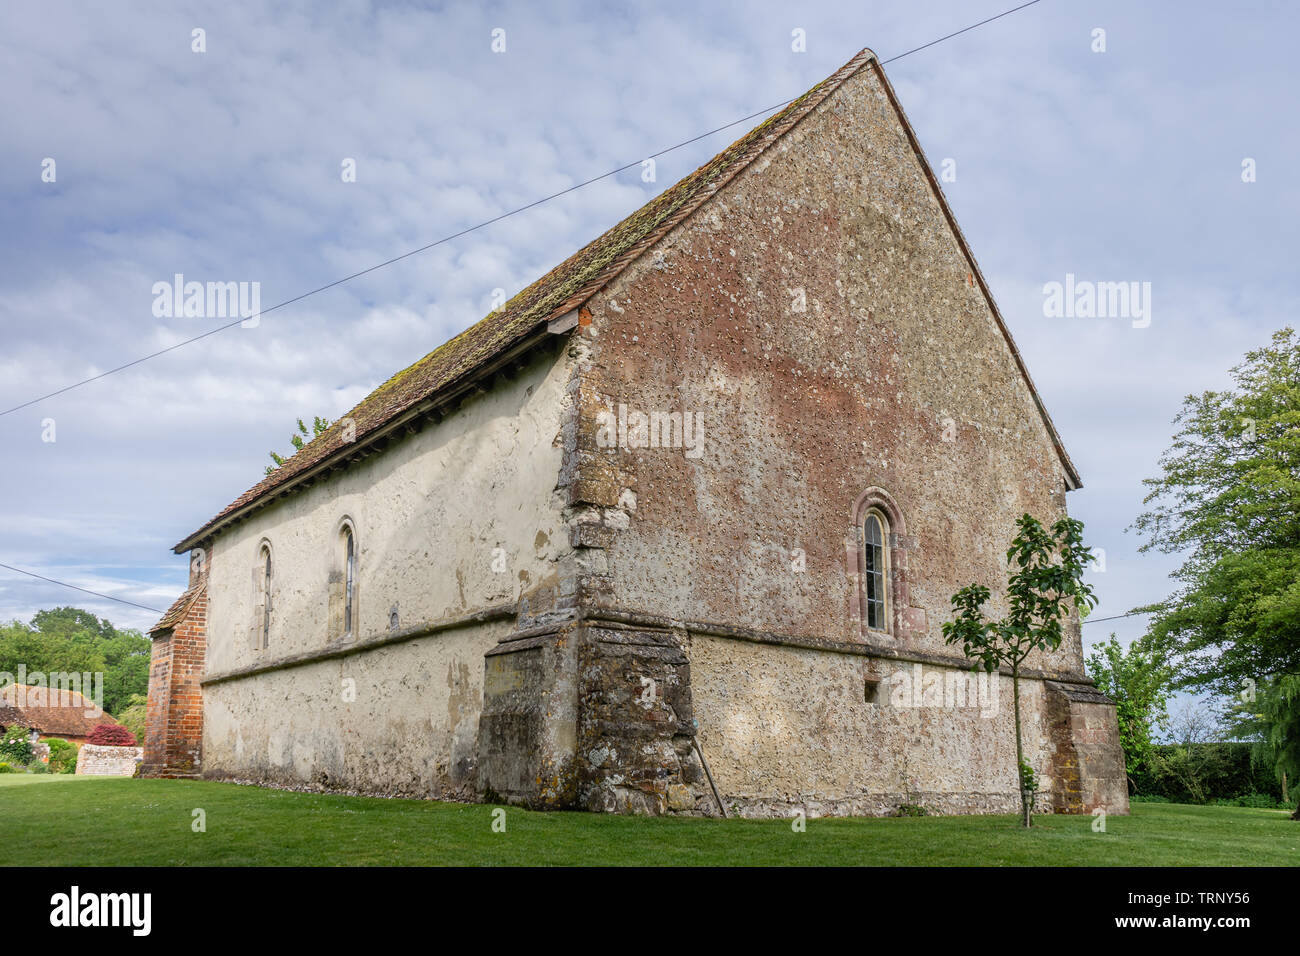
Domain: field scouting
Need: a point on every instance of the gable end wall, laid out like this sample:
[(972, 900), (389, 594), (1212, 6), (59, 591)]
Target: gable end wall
[(821, 318)]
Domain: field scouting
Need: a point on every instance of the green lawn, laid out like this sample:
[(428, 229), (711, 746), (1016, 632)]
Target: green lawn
[(80, 821)]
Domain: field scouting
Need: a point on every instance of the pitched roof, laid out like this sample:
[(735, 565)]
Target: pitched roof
[(562, 289), (567, 287), (173, 615), (50, 710)]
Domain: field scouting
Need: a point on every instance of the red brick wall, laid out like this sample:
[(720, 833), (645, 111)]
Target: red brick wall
[(155, 722), (174, 715)]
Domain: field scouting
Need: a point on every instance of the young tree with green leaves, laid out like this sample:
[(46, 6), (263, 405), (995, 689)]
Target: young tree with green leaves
[(1045, 586), (1139, 680), (298, 439)]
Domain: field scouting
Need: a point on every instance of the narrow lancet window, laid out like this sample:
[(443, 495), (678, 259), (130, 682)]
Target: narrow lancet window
[(350, 562), (266, 598), (874, 545)]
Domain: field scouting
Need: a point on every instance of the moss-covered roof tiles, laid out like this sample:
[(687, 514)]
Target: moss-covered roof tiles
[(565, 287)]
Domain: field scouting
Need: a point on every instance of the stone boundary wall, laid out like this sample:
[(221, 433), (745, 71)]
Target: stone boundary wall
[(94, 760)]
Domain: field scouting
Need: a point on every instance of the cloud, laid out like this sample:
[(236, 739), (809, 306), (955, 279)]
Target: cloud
[(226, 165)]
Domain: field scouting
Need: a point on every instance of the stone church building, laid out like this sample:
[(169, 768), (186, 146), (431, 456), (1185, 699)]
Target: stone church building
[(683, 515)]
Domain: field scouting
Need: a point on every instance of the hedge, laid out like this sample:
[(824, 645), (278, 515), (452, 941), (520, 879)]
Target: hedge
[(1222, 771)]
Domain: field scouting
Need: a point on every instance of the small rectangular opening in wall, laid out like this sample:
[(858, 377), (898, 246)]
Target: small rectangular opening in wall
[(871, 685)]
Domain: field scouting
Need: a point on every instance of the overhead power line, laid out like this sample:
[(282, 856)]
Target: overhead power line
[(1113, 617), (431, 245), (65, 584), (485, 223)]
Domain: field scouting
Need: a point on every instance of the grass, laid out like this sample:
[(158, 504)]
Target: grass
[(96, 821)]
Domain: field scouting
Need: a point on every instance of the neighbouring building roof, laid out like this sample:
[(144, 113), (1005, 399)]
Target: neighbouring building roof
[(176, 612), (567, 287), (52, 712)]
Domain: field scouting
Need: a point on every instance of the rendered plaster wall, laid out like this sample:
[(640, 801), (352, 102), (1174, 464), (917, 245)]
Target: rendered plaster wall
[(431, 514), (400, 719), (819, 316), (459, 517)]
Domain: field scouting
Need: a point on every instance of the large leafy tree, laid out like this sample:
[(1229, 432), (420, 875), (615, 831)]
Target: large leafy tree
[(1139, 680), (1044, 587), (1228, 498), (1271, 720), (71, 640), (72, 620)]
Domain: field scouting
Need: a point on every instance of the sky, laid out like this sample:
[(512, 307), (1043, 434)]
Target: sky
[(1112, 157)]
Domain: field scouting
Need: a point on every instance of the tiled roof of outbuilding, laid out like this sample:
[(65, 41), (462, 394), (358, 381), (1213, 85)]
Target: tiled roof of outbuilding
[(50, 711)]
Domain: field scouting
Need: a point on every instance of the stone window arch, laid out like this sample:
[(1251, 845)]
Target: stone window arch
[(343, 582), (876, 599), (878, 563), (263, 591)]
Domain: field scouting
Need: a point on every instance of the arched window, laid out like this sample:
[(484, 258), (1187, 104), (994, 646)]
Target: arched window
[(877, 547), (266, 595), (349, 577), (343, 619), (875, 571)]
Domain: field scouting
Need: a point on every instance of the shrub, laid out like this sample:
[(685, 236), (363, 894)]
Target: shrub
[(1147, 798), (15, 745), (62, 753), (132, 717), (38, 767), (1202, 772), (5, 768), (1260, 801), (111, 735)]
